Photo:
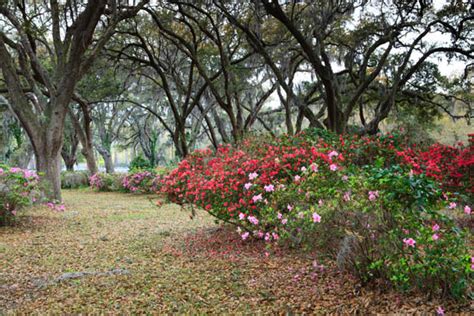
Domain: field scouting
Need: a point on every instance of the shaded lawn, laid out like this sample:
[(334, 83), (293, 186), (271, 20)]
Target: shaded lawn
[(172, 264)]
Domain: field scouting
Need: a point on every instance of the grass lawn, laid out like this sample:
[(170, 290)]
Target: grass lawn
[(137, 258)]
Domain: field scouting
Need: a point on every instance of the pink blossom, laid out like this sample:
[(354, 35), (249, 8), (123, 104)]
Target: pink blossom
[(247, 186), (241, 216), (316, 218), (253, 175), (452, 205), (320, 202), (269, 188), (314, 167), (14, 212), (275, 236), (297, 178), (284, 221), (289, 207), (347, 196), (1, 171), (280, 216), (435, 227), (303, 169), (440, 311), (245, 235), (61, 208), (257, 198), (301, 215), (333, 167), (333, 154), (253, 220), (373, 195), (410, 242), (345, 178), (260, 234), (268, 237), (435, 237), (15, 170), (467, 210)]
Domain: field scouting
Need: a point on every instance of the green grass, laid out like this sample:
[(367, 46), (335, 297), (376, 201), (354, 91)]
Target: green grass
[(175, 265)]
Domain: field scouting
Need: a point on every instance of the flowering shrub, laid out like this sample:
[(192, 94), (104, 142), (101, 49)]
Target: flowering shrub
[(18, 188), (338, 192), (106, 182), (141, 181)]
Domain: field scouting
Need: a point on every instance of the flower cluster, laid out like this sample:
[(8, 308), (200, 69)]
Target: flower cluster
[(450, 165), (141, 181)]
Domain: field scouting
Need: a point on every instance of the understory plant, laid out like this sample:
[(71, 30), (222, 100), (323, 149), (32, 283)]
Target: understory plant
[(18, 188), (346, 195), (106, 182)]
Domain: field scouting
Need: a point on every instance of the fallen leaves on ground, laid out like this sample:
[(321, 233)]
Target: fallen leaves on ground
[(173, 265)]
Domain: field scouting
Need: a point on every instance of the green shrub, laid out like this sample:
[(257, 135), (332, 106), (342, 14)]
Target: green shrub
[(379, 223), (74, 179), (139, 163)]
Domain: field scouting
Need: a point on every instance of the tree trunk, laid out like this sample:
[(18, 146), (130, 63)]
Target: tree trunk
[(109, 164), (69, 162), (88, 153), (49, 163)]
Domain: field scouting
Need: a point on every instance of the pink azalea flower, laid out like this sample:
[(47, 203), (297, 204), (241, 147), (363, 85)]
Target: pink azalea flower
[(14, 212), (314, 167), (316, 218), (280, 216), (268, 237), (269, 188), (257, 198), (1, 171), (253, 220), (260, 234), (435, 227), (253, 175), (320, 202), (440, 311), (275, 236), (373, 195), (333, 154), (284, 221), (467, 210), (435, 237), (347, 196), (333, 167), (452, 205), (301, 215), (303, 169), (247, 186), (241, 216), (297, 178), (245, 235), (289, 207), (410, 242), (345, 178)]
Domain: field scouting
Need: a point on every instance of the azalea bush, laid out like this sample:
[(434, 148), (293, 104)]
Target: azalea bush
[(106, 182), (141, 181), (18, 188), (346, 194)]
